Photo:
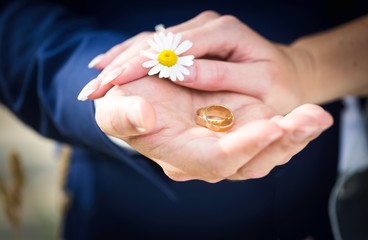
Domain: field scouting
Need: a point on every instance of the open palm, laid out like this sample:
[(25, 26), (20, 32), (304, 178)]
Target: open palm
[(251, 148)]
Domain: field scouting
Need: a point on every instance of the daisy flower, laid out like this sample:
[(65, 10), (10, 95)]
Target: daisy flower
[(166, 61)]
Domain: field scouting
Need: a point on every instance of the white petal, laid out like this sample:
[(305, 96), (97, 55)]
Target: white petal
[(184, 46), (175, 71), (176, 41), (167, 43), (167, 73), (186, 60), (163, 72), (150, 63), (173, 74), (180, 76), (150, 55), (159, 42), (155, 69), (169, 39), (154, 45), (183, 70), (163, 41)]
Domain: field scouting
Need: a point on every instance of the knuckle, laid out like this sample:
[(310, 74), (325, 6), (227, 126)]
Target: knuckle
[(102, 122), (253, 174), (116, 49), (213, 180), (285, 160), (200, 73), (176, 176), (285, 145), (219, 172), (115, 127), (209, 14), (228, 20), (144, 36), (219, 73)]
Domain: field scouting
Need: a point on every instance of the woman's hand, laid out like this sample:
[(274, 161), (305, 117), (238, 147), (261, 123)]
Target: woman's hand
[(229, 56)]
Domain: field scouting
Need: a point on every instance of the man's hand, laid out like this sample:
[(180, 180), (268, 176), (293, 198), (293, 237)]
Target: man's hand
[(157, 118)]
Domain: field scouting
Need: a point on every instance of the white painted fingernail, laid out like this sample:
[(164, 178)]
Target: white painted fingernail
[(95, 60), (88, 90), (111, 76)]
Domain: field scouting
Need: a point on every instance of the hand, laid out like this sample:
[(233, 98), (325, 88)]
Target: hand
[(245, 63), (156, 118)]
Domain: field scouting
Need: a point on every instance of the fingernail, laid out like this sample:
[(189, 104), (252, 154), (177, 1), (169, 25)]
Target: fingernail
[(135, 117), (303, 134), (96, 60), (88, 90), (112, 75)]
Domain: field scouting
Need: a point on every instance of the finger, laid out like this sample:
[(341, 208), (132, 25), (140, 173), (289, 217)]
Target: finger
[(221, 158), (208, 75), (229, 50), (93, 90), (122, 53), (302, 125), (213, 75), (118, 73), (195, 22), (116, 66), (240, 146), (243, 43), (304, 115), (276, 154), (122, 116), (104, 59)]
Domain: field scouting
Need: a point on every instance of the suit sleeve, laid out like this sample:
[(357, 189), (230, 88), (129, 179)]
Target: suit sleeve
[(44, 52)]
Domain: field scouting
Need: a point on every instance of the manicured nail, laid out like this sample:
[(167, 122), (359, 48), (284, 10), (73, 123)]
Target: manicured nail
[(88, 90), (96, 60), (303, 134), (135, 117), (112, 75)]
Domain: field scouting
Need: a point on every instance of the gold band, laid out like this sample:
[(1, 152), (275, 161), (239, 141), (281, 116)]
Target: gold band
[(215, 117)]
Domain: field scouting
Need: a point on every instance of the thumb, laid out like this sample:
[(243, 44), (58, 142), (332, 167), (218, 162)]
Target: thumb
[(124, 116)]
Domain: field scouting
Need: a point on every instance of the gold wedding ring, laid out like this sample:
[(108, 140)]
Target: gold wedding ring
[(215, 117)]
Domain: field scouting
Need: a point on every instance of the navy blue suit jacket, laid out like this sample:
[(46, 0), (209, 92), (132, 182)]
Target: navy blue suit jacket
[(44, 52)]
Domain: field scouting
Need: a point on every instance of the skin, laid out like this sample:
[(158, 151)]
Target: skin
[(260, 68), (282, 76), (265, 84), (168, 134)]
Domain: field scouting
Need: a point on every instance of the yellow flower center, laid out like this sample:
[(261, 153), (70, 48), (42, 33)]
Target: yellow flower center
[(167, 58)]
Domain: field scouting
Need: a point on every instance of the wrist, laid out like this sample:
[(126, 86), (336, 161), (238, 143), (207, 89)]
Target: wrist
[(302, 73), (306, 70), (339, 62)]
